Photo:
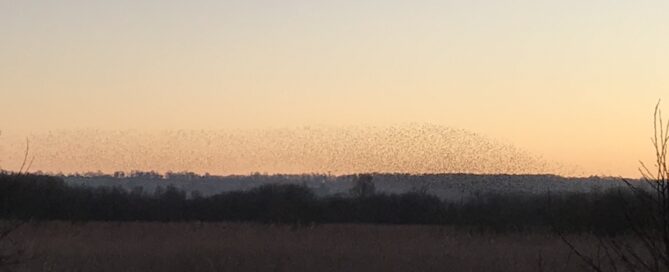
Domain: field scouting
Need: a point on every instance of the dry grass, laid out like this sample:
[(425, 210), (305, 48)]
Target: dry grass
[(59, 246)]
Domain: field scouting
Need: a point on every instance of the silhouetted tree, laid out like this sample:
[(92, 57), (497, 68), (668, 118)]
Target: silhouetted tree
[(363, 186), (11, 252), (647, 217)]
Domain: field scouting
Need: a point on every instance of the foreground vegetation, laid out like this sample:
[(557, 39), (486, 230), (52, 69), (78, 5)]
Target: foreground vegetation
[(64, 246)]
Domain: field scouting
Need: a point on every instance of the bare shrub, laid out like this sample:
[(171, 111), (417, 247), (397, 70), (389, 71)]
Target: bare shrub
[(646, 246), (11, 251)]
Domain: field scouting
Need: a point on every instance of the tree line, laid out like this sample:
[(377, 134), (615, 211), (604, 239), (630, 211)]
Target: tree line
[(41, 197)]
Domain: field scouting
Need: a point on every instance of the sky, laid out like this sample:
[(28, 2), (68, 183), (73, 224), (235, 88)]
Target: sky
[(573, 82)]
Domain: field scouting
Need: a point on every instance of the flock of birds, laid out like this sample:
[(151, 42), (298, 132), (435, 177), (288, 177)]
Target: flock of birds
[(414, 149)]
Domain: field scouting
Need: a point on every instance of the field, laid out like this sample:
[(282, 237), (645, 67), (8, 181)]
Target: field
[(63, 246)]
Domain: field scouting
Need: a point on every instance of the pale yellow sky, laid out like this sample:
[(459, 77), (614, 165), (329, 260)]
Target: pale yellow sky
[(571, 81)]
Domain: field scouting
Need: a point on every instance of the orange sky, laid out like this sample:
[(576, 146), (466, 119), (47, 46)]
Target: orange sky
[(573, 82)]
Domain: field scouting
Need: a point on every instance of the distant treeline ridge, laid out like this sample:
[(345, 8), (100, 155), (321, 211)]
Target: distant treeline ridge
[(40, 197)]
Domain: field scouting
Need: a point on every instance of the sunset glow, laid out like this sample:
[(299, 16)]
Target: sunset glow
[(564, 87)]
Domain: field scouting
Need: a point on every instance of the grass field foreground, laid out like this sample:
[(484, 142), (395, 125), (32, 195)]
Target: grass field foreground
[(62, 246)]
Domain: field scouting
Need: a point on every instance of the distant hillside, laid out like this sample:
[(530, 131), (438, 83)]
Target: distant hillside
[(450, 187)]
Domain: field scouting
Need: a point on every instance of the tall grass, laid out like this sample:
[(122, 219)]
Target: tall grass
[(62, 246)]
